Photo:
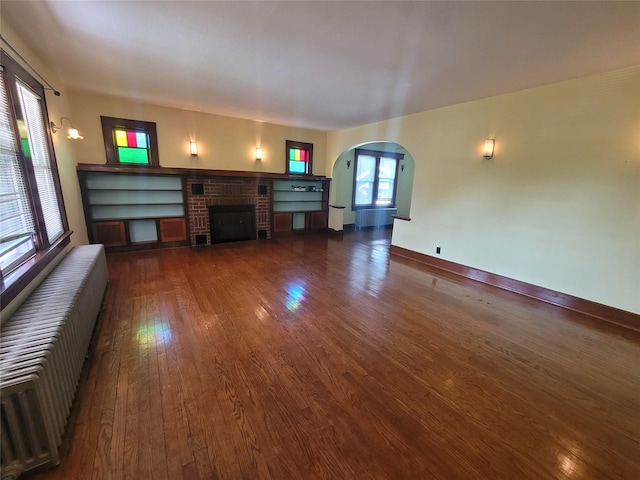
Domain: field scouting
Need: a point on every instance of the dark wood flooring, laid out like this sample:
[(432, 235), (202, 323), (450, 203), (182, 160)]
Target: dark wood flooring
[(312, 357)]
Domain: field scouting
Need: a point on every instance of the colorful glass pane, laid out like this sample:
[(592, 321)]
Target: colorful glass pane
[(24, 140), (131, 139), (121, 138), (141, 139), (133, 155), (25, 147), (297, 166)]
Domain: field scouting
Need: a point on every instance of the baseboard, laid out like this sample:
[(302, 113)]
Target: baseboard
[(351, 227), (602, 312)]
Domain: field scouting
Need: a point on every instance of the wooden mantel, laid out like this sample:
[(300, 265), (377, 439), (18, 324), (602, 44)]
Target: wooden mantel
[(191, 172)]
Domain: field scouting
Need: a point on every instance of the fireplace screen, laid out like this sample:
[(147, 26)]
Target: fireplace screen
[(232, 223)]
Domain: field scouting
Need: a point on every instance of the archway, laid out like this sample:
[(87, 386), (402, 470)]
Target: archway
[(342, 213)]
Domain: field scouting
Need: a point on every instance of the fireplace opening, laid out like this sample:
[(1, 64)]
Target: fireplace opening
[(232, 223)]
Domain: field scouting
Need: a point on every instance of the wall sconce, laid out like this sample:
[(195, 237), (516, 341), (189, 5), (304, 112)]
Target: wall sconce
[(72, 132), (348, 164), (487, 151), (193, 148), (402, 167), (258, 153)]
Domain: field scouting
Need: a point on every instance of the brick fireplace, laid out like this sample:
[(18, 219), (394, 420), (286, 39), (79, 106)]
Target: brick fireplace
[(205, 192)]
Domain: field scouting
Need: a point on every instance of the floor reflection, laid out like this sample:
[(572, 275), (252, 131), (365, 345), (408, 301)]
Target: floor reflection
[(368, 267), (295, 296), (157, 331)]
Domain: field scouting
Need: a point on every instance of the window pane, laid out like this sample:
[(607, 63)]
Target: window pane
[(16, 222), (37, 135), (141, 140), (297, 166), (365, 176), (386, 181), (14, 252), (133, 155), (121, 138)]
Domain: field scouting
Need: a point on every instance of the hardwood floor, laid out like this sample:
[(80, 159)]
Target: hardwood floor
[(311, 357)]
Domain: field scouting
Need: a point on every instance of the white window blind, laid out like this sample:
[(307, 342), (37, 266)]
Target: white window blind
[(16, 221), (365, 179), (37, 136)]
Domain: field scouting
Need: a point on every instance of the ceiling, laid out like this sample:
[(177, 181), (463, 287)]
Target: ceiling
[(324, 65)]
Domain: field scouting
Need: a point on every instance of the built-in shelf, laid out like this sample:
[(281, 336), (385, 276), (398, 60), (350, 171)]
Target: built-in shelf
[(300, 205), (125, 210), (130, 206)]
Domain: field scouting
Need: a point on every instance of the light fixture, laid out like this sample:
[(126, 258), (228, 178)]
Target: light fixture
[(348, 164), (487, 151), (72, 132), (402, 167), (258, 153), (193, 148)]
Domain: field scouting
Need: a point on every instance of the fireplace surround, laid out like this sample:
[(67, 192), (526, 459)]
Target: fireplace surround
[(205, 192)]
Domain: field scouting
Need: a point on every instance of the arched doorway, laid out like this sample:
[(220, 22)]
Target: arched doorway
[(343, 212)]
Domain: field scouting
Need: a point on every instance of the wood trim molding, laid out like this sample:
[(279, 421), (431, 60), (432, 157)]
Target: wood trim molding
[(18, 280), (603, 312), (192, 172)]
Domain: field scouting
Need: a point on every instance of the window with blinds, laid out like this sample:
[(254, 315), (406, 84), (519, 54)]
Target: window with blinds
[(33, 223), (40, 160), (16, 221)]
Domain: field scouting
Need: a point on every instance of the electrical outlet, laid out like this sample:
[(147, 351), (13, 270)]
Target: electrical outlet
[(437, 249)]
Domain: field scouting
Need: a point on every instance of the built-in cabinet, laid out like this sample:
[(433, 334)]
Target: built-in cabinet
[(127, 210), (300, 205)]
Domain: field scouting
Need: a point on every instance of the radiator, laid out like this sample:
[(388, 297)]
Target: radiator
[(375, 217), (42, 350)]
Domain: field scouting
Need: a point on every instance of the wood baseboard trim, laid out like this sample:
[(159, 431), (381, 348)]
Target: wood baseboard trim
[(603, 312)]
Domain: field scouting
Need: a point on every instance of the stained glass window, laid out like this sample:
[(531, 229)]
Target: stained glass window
[(299, 158), (130, 142), (132, 146)]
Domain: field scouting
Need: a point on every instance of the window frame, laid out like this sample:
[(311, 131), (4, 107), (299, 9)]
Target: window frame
[(378, 155), (109, 124), (18, 278), (308, 147)]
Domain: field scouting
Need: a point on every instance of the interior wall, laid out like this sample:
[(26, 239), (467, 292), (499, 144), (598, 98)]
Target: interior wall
[(57, 107), (224, 143), (558, 205), (342, 181)]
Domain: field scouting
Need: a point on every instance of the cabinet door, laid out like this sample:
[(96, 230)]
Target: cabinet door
[(111, 234), (317, 220), (173, 229), (281, 222)]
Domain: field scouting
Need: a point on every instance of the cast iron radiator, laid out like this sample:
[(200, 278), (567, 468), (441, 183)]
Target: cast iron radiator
[(42, 350), (375, 217)]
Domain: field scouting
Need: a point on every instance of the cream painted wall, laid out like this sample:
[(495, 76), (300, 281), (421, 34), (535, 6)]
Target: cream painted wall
[(66, 162), (224, 143), (559, 204)]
